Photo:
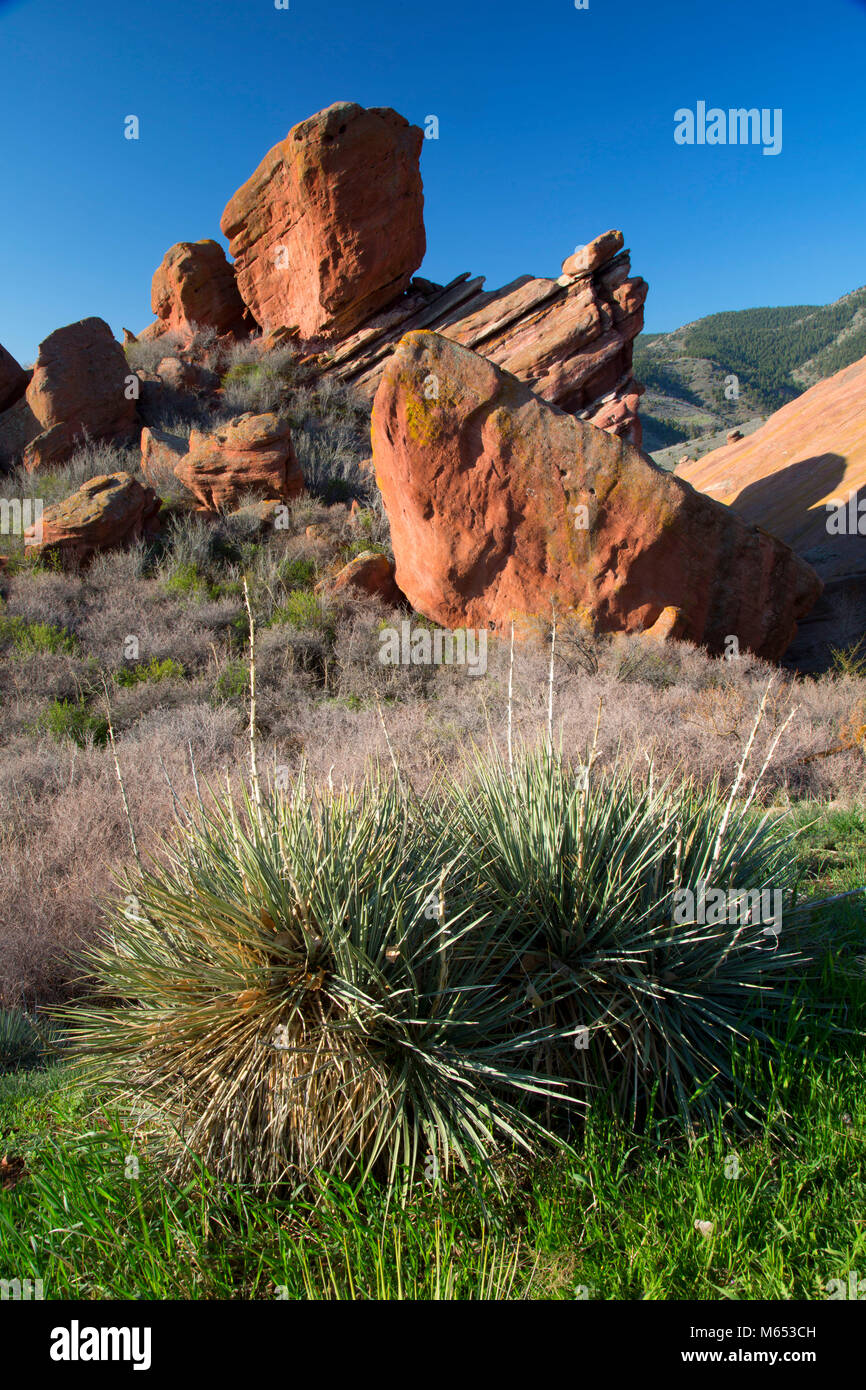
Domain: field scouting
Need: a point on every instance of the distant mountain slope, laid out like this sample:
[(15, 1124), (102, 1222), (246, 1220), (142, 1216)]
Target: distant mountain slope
[(775, 354)]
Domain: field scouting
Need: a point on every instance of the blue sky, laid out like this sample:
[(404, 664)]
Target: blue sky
[(554, 124)]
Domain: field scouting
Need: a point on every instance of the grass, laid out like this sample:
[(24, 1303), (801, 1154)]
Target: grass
[(647, 1212), (618, 1222)]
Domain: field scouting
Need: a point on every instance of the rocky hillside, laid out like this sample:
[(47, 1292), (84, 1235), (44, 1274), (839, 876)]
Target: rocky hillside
[(505, 433), (774, 353)]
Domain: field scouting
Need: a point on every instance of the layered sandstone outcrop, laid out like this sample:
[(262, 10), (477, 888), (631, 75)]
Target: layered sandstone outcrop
[(570, 339), (330, 226), (501, 505), (792, 473), (326, 235)]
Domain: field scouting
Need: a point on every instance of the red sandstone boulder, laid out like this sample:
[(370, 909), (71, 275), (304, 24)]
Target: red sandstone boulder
[(195, 286), (618, 416), (263, 516), (596, 252), (80, 389), (330, 226), (18, 425), (501, 504), (13, 379), (668, 626), (107, 511), (251, 454), (369, 573), (160, 454)]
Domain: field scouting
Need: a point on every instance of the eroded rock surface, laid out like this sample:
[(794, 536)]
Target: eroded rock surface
[(501, 506)]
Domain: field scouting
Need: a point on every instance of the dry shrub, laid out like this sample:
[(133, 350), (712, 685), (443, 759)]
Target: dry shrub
[(325, 700)]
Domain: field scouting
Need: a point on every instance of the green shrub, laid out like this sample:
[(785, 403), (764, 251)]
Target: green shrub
[(232, 683), (258, 386), (306, 611), (24, 1041), (850, 660), (353, 982), (27, 638), (186, 578), (298, 573), (153, 670), (72, 719)]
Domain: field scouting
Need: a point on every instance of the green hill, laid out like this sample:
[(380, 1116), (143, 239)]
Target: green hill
[(775, 354)]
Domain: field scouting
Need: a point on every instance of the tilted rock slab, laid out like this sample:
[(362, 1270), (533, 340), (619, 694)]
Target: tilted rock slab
[(195, 285), (501, 505), (570, 339), (110, 510), (78, 390), (330, 226), (251, 454)]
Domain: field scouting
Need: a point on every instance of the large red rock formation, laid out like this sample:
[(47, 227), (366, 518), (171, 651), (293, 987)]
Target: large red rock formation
[(252, 454), (79, 389), (109, 510), (501, 505), (13, 379), (330, 226), (195, 285)]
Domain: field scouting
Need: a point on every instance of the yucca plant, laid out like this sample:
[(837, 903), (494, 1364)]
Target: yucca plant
[(25, 1041), (642, 979), (292, 985)]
